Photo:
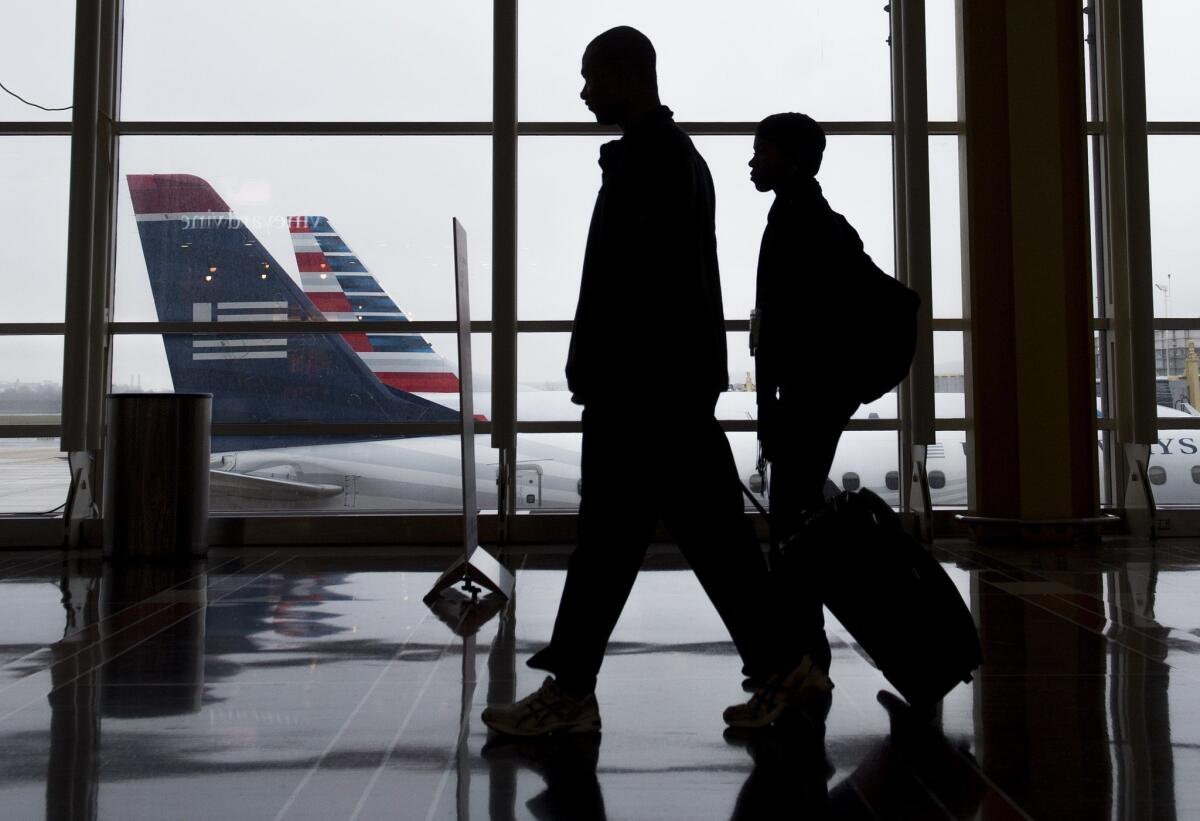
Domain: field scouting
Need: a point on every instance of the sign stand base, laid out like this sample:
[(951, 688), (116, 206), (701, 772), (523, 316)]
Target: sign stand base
[(479, 571)]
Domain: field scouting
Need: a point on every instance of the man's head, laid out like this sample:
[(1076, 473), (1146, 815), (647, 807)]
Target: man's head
[(787, 147), (619, 75)]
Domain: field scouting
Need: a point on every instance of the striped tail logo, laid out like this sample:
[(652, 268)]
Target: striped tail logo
[(210, 347), (342, 288)]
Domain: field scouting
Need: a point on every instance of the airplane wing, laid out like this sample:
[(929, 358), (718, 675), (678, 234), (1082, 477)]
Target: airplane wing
[(256, 487)]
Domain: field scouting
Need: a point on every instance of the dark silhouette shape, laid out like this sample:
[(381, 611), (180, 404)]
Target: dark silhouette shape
[(890, 594), (805, 311), (99, 672), (913, 772), (652, 249), (567, 763), (790, 772)]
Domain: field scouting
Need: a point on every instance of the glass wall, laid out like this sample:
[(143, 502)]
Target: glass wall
[(309, 224), (37, 62), (1172, 69), (310, 174), (946, 462), (36, 67), (305, 60), (830, 60), (717, 61)]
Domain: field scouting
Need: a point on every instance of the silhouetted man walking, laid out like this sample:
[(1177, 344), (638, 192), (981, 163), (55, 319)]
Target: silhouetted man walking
[(647, 362)]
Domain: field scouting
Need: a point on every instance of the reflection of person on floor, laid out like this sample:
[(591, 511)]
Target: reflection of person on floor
[(790, 771), (567, 763), (651, 250), (913, 772)]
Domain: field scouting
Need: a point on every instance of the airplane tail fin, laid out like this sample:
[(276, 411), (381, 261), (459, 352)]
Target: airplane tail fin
[(205, 265), (342, 288)]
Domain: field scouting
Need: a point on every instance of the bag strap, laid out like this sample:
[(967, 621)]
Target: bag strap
[(753, 501)]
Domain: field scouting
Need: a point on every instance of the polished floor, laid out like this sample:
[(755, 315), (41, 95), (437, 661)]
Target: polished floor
[(316, 684)]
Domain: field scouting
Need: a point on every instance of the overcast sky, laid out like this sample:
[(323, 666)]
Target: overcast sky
[(392, 198)]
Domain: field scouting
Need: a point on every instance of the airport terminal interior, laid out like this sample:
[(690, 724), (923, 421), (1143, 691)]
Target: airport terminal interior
[(290, 472)]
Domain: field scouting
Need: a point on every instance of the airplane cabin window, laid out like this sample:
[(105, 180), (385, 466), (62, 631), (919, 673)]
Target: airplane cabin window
[(850, 481), (1196, 474), (1157, 475), (937, 480), (892, 480)]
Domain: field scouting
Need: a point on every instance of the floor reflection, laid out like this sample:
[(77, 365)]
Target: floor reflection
[(294, 684), (567, 764), (126, 627), (1073, 715)]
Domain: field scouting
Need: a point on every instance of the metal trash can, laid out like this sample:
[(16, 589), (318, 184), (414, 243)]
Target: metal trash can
[(156, 463)]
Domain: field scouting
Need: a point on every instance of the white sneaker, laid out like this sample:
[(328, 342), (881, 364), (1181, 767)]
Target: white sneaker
[(547, 710), (805, 688)]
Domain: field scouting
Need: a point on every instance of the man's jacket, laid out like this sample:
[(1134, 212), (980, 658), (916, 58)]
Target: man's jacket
[(806, 303), (649, 324)]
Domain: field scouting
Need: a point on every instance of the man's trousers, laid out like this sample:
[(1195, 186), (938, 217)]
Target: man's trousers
[(679, 470)]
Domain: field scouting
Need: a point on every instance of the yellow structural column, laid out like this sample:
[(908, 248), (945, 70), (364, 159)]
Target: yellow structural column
[(1027, 280)]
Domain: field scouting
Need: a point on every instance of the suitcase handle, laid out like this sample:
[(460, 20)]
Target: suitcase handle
[(753, 501)]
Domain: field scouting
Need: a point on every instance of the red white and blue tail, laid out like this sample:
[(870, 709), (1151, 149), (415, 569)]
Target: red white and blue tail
[(342, 288), (206, 265)]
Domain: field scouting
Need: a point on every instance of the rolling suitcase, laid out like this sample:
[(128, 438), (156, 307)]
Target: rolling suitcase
[(889, 593)]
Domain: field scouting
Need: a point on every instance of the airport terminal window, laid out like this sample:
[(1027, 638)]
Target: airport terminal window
[(845, 87), (31, 370), (864, 459), (949, 380), (282, 60), (381, 202), (33, 474), (396, 191), (1173, 115), (36, 67), (423, 72), (718, 61), (855, 176), (557, 188), (945, 223), (37, 61), (947, 458), (941, 59), (34, 193), (1172, 64), (1174, 224), (946, 264)]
